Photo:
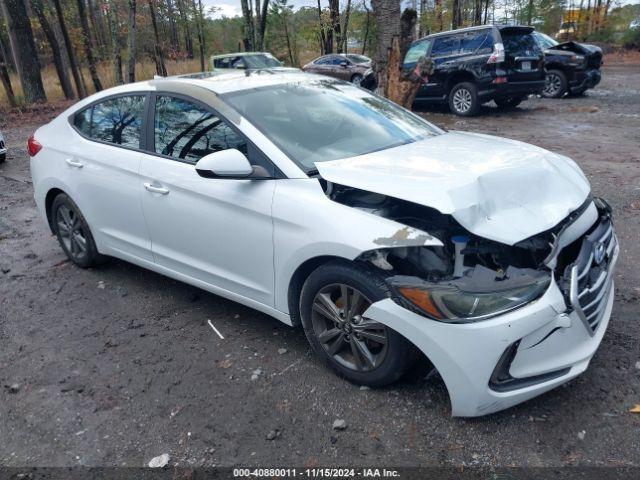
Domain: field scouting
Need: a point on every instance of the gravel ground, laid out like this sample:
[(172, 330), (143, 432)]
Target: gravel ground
[(117, 365)]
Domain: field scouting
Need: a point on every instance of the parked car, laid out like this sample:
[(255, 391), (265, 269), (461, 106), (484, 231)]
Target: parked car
[(325, 206), (3, 149), (244, 60), (369, 80), (570, 67), (478, 64), (350, 67)]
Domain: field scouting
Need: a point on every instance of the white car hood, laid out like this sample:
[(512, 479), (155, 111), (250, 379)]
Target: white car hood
[(499, 189)]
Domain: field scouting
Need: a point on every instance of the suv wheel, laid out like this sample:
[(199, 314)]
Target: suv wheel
[(73, 232), (508, 102), (555, 84), (332, 302), (3, 157), (463, 99)]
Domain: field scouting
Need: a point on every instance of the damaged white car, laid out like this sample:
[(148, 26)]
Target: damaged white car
[(326, 206)]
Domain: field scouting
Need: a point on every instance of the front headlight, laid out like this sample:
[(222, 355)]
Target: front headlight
[(577, 58), (465, 300)]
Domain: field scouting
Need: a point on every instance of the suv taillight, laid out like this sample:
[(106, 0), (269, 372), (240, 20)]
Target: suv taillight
[(33, 146), (498, 54)]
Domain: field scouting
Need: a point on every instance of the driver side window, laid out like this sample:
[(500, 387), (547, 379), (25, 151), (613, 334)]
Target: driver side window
[(188, 132)]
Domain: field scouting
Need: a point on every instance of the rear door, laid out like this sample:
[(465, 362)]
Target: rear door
[(445, 53), (104, 164), (523, 56), (215, 230)]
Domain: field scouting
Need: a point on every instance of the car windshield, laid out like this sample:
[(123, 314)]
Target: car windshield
[(545, 40), (358, 58), (322, 120), (262, 61)]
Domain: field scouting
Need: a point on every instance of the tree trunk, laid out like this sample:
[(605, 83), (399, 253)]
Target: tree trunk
[(22, 43), (438, 9), (323, 36), (132, 41), (65, 82), (345, 27), (387, 18), (4, 76), (530, 12), (477, 12), (188, 41), (248, 26), (286, 36), (157, 48), (112, 14), (73, 64), (262, 24), (197, 12), (366, 28), (334, 17), (171, 16), (455, 14), (88, 50)]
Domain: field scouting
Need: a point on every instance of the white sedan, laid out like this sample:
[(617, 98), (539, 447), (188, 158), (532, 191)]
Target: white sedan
[(387, 239)]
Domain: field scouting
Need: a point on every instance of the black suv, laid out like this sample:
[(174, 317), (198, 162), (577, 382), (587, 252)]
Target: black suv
[(571, 67), (479, 64)]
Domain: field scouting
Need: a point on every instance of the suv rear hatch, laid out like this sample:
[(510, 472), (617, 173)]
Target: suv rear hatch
[(523, 58)]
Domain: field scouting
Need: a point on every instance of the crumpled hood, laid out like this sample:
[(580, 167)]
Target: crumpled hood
[(499, 189)]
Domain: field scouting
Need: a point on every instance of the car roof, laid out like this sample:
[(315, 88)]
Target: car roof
[(239, 54), (499, 27)]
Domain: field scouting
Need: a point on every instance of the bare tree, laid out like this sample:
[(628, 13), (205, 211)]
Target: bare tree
[(112, 14), (4, 75), (345, 26), (197, 13), (132, 41), (387, 17), (73, 64), (455, 14), (65, 82), (365, 37), (334, 18), (161, 69), (261, 23), (24, 48), (88, 48)]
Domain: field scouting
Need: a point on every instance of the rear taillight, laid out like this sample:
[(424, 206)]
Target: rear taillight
[(33, 146), (498, 54)]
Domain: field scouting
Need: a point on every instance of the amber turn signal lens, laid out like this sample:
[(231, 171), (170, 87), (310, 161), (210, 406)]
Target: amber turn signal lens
[(422, 300)]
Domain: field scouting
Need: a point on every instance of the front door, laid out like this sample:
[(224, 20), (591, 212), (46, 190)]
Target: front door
[(218, 231)]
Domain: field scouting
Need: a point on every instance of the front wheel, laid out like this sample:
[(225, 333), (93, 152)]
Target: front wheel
[(555, 84), (332, 305), (73, 232), (463, 99), (3, 157), (508, 102)]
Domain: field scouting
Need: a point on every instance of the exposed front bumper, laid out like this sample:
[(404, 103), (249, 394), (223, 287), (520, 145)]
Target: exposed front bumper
[(584, 80), (553, 346)]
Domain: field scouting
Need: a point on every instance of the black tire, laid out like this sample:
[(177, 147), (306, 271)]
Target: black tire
[(555, 84), (357, 79), (508, 103), (3, 157), (392, 360), (577, 93), (463, 99), (67, 217)]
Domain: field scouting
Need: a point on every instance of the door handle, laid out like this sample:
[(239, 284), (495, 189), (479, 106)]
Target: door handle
[(154, 189), (73, 163)]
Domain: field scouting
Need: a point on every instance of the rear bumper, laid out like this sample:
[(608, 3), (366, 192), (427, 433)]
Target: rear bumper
[(549, 346), (510, 89), (584, 80)]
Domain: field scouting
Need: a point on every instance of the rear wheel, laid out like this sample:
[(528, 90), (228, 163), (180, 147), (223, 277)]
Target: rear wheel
[(3, 157), (356, 79), (555, 84), (463, 99), (73, 232), (333, 301)]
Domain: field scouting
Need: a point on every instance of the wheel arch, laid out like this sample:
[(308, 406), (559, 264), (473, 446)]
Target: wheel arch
[(48, 202), (459, 77)]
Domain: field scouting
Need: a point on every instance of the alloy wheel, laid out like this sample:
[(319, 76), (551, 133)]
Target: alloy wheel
[(71, 232), (462, 100), (355, 342), (552, 84)]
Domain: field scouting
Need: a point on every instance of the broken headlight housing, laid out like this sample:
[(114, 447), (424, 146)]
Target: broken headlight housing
[(479, 295)]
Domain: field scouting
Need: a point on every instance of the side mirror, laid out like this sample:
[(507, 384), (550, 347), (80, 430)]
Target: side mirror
[(224, 164), (344, 64)]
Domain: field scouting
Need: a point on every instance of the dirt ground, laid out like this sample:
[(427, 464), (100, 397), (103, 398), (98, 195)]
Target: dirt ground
[(116, 365)]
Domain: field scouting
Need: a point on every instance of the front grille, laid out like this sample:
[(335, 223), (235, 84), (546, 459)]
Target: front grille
[(594, 61), (591, 274)]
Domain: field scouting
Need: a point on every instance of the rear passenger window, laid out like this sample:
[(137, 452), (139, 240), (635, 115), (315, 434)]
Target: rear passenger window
[(445, 46), (476, 42), (186, 131), (416, 51), (116, 120)]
